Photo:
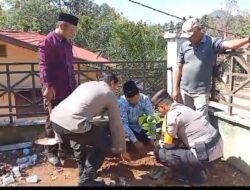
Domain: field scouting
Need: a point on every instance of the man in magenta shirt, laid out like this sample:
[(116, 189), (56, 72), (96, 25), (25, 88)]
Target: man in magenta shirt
[(56, 70)]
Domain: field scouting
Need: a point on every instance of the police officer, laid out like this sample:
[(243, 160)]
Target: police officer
[(71, 120), (190, 142)]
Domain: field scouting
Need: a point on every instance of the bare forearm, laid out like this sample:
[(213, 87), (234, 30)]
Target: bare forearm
[(177, 79), (235, 44)]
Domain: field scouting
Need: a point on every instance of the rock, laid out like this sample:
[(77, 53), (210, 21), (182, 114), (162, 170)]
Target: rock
[(151, 153), (53, 178), (16, 172), (7, 180), (32, 179)]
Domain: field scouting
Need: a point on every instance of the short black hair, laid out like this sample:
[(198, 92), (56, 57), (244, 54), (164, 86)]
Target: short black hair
[(130, 89), (162, 96), (108, 77)]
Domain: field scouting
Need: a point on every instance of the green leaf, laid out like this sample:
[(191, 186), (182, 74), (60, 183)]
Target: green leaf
[(146, 126), (150, 119), (142, 119), (157, 119)]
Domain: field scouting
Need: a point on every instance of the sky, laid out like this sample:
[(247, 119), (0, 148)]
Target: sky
[(195, 8)]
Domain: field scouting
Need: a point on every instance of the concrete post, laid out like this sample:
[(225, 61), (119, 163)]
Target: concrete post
[(173, 45)]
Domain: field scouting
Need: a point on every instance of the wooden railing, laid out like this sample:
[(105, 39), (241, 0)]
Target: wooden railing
[(231, 81), (20, 89)]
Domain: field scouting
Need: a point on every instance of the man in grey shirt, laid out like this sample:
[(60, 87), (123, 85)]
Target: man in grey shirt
[(190, 142), (196, 60), (71, 122)]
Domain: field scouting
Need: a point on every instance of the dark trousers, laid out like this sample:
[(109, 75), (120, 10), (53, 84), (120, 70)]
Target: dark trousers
[(90, 149), (182, 161), (49, 133)]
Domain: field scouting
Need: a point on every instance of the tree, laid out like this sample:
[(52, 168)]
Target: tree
[(101, 29), (31, 15), (230, 20), (137, 41), (245, 30), (3, 18)]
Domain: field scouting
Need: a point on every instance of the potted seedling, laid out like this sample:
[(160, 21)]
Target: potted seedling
[(152, 124)]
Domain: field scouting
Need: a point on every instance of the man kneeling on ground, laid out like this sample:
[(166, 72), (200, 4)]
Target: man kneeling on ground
[(133, 105), (90, 143), (191, 143)]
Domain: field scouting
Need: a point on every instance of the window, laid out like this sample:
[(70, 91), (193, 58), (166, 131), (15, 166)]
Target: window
[(3, 51)]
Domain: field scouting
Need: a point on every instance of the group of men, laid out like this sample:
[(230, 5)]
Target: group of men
[(194, 142)]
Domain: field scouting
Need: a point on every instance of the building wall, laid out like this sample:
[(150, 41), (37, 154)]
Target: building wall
[(19, 54), (235, 132)]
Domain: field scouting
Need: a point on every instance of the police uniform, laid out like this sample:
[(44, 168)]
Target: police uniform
[(71, 119), (196, 142)]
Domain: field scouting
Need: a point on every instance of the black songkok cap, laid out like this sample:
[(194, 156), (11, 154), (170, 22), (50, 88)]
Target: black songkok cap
[(68, 18)]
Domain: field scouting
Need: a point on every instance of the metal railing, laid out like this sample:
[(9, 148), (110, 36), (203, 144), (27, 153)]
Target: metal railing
[(16, 79)]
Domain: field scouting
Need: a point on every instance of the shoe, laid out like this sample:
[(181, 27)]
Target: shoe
[(92, 183)]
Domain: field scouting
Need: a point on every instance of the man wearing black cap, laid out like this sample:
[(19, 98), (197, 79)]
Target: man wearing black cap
[(56, 70), (133, 105), (190, 142)]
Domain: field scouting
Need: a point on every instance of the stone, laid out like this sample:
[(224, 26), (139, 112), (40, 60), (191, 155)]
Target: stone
[(32, 179)]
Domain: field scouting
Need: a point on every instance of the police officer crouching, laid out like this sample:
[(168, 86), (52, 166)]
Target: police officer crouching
[(191, 143), (73, 118)]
